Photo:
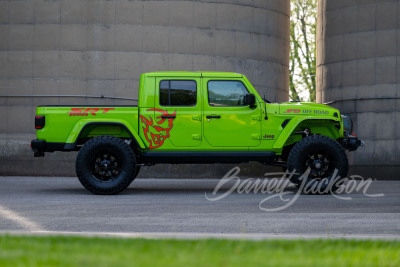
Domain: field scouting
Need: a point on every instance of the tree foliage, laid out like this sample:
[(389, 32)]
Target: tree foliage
[(302, 65)]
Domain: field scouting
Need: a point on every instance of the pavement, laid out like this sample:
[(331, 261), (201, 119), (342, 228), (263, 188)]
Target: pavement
[(182, 208)]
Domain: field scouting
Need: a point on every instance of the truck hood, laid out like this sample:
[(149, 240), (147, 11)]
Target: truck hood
[(308, 109)]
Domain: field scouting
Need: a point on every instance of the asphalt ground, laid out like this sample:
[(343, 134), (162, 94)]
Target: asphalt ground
[(157, 207)]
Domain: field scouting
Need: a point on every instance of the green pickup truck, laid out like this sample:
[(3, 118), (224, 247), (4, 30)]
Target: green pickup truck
[(195, 117)]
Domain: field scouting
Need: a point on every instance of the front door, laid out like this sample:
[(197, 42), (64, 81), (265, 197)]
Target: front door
[(227, 122)]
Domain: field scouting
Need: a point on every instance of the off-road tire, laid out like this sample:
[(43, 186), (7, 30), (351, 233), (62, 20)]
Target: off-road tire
[(120, 154), (137, 171), (299, 158)]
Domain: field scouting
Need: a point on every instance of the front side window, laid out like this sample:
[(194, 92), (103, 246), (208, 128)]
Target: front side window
[(178, 93), (226, 93)]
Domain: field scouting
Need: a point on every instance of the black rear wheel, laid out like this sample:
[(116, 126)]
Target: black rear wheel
[(320, 164), (106, 165)]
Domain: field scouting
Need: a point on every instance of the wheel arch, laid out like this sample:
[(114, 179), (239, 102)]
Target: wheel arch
[(323, 126), (88, 130)]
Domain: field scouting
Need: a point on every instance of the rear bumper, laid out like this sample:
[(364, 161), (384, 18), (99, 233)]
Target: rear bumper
[(41, 146), (38, 147)]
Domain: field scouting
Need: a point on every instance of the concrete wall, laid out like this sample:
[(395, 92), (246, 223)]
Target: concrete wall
[(100, 47), (359, 57)]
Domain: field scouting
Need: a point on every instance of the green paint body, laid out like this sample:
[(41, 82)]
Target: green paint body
[(239, 128)]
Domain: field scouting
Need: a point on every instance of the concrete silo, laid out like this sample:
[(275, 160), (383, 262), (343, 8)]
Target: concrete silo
[(358, 45), (100, 47)]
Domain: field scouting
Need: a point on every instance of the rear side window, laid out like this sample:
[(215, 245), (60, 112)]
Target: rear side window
[(178, 93), (226, 93)]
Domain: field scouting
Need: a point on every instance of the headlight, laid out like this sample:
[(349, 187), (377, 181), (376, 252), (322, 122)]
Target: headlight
[(347, 124)]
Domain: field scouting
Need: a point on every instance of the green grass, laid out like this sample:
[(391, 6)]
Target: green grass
[(80, 251)]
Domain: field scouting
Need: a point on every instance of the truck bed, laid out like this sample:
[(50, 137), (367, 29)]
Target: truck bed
[(63, 121)]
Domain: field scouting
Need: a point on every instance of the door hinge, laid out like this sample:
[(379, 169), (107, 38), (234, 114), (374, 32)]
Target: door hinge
[(256, 118), (196, 117), (196, 136), (256, 136)]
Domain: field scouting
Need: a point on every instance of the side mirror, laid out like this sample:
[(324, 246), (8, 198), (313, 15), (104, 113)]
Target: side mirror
[(249, 100)]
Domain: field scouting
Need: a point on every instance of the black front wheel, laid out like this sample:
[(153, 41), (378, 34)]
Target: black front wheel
[(320, 164), (106, 165)]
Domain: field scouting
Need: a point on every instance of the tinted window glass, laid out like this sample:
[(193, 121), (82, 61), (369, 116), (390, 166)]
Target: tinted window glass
[(164, 93), (178, 93), (226, 93)]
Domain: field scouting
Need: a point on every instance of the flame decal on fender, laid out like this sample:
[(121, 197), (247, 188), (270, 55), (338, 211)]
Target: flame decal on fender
[(156, 138)]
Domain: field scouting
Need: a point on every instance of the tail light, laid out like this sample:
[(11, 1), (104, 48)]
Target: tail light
[(39, 122)]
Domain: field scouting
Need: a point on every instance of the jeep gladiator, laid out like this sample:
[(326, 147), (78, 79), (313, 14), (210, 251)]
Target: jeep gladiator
[(195, 117)]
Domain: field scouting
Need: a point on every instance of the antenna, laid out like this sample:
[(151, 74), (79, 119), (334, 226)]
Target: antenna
[(265, 106)]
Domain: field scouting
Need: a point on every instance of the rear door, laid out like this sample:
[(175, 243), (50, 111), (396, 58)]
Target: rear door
[(177, 112), (227, 122)]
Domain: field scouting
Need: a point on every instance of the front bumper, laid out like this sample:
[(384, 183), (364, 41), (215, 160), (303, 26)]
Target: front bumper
[(351, 143)]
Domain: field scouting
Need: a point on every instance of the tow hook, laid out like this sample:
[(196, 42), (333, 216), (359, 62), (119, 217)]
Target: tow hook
[(352, 143), (362, 143)]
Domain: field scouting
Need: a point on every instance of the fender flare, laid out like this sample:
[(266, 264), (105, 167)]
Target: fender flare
[(291, 126), (80, 126)]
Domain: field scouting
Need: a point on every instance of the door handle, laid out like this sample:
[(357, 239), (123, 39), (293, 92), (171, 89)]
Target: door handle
[(168, 117), (213, 117)]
